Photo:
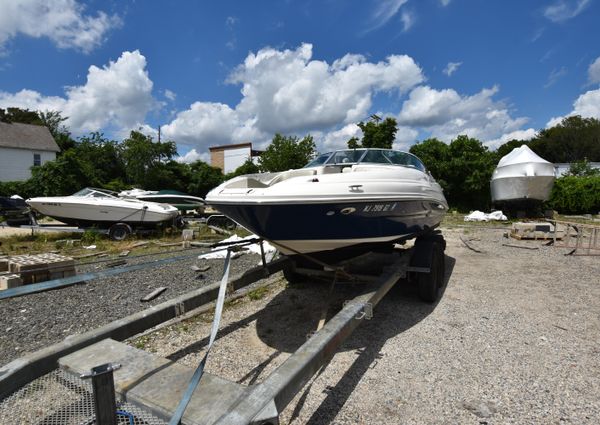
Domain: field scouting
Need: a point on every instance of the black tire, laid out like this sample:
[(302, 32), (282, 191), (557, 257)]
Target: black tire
[(430, 284), (119, 231), (292, 277)]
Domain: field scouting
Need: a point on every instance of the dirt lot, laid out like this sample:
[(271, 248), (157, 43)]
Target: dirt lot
[(514, 339)]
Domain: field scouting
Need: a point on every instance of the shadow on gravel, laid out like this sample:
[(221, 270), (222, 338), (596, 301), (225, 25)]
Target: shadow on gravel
[(398, 311), (289, 318)]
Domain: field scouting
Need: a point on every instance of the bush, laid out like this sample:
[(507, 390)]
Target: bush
[(576, 195)]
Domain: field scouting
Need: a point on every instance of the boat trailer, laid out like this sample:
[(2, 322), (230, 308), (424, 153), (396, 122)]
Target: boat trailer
[(161, 391)]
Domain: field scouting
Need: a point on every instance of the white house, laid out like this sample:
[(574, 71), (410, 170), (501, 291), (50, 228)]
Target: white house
[(23, 146), (230, 157)]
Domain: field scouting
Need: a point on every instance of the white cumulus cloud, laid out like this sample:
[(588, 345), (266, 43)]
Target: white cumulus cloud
[(451, 68), (408, 19), (383, 12), (117, 95), (62, 21), (446, 114), (594, 72), (193, 156), (563, 10), (287, 91)]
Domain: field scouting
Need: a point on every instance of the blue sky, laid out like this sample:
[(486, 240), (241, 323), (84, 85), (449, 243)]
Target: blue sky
[(213, 73)]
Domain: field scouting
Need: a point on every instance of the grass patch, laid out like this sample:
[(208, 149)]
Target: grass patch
[(258, 293)]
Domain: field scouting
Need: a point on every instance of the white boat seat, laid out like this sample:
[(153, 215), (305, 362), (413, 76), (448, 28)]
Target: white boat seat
[(249, 182), (292, 173)]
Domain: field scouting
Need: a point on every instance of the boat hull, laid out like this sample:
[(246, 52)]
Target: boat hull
[(519, 188), (320, 227), (101, 214)]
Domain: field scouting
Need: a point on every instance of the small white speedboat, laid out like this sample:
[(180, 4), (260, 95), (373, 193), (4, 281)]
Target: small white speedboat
[(347, 199), (100, 208), (522, 176)]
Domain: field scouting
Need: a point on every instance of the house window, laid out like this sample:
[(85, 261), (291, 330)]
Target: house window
[(37, 160)]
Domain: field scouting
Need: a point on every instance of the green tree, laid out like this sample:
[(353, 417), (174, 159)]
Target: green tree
[(169, 175), (204, 178), (574, 139), (140, 155), (378, 134), (64, 176), (435, 154), (582, 169), (248, 167), (287, 152), (463, 169), (353, 143), (101, 159), (23, 116), (54, 121)]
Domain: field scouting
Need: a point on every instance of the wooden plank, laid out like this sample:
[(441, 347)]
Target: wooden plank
[(154, 293)]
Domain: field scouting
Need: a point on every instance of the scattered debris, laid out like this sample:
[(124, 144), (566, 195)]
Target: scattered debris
[(481, 409), (471, 247), (138, 244), (520, 246), (90, 247), (200, 268), (124, 253), (154, 293), (116, 263), (220, 231), (93, 254)]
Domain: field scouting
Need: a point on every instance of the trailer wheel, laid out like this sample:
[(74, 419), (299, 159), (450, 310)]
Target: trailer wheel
[(292, 277), (429, 253), (119, 231)]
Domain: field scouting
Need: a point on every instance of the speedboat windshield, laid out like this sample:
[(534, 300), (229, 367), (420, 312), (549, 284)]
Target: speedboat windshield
[(89, 192), (370, 156)]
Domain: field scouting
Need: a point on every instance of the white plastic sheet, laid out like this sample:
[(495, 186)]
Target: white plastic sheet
[(254, 248), (481, 216)]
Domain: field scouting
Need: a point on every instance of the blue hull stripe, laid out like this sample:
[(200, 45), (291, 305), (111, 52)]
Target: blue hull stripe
[(351, 220)]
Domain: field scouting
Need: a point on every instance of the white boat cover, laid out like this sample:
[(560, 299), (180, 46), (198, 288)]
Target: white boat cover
[(521, 155)]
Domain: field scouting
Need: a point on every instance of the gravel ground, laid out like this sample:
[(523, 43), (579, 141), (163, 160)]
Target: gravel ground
[(514, 338), (35, 321)]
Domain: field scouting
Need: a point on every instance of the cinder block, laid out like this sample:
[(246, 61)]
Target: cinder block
[(3, 265), (187, 234), (10, 281)]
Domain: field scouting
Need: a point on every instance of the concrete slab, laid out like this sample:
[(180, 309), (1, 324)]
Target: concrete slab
[(157, 384)]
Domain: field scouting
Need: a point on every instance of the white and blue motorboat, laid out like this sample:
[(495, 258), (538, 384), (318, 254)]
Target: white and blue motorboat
[(343, 201)]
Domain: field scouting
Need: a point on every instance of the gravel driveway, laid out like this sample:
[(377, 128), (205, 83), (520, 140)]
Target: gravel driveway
[(34, 321), (515, 337)]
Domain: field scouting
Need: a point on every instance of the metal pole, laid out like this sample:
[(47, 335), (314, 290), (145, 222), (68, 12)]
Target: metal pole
[(103, 384)]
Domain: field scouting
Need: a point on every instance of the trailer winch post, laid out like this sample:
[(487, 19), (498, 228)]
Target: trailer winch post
[(103, 385)]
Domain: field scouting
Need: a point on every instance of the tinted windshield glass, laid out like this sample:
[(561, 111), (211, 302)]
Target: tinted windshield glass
[(320, 160), (403, 158), (346, 157), (376, 156)]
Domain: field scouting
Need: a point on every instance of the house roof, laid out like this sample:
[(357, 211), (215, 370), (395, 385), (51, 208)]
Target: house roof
[(26, 136), (227, 147)]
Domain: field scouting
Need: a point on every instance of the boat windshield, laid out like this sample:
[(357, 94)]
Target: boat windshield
[(89, 192), (368, 156)]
